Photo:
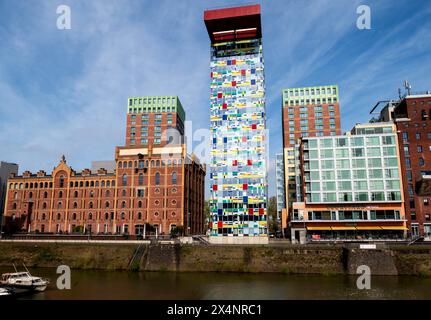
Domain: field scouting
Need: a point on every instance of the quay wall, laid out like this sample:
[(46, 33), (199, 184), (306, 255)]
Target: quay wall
[(326, 260)]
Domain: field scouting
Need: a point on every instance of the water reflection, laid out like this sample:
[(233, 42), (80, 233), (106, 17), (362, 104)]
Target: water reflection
[(170, 286)]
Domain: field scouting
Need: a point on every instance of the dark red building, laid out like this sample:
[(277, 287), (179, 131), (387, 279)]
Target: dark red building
[(412, 116)]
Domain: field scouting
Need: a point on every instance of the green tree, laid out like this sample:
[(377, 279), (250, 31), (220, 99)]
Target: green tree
[(177, 231), (272, 215)]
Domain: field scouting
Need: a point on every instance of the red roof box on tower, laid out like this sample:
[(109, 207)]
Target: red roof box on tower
[(233, 23)]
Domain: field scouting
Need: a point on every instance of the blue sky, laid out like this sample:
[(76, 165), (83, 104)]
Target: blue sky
[(65, 91)]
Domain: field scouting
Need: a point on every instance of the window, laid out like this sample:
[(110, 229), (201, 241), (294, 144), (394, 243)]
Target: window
[(357, 141), (405, 136), (374, 162), (124, 179), (418, 136), (141, 179), (61, 182), (326, 143), (358, 152), (157, 178), (421, 162), (174, 178)]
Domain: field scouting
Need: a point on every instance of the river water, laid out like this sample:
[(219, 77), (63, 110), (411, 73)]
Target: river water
[(172, 286)]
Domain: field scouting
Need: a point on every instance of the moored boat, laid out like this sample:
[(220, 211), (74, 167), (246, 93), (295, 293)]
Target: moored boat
[(24, 280)]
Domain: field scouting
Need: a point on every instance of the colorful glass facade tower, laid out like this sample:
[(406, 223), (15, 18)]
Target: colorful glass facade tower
[(238, 126)]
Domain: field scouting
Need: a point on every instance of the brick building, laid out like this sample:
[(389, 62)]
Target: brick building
[(306, 112), (154, 184), (412, 116)]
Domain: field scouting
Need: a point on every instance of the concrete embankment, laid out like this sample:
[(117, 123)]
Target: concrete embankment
[(329, 260)]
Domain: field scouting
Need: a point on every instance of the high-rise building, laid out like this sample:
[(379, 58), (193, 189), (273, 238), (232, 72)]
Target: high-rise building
[(306, 112), (155, 120), (351, 186), (238, 126), (279, 176), (310, 112), (153, 188), (6, 169), (412, 116)]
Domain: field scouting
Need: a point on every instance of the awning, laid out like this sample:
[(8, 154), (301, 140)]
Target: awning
[(319, 228), (369, 228), (343, 228), (394, 228)]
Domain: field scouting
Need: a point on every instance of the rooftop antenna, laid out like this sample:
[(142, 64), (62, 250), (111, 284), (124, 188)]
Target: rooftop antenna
[(399, 93), (408, 87)]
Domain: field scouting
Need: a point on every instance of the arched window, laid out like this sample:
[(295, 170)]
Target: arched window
[(43, 216), (152, 163), (174, 178), (90, 205), (141, 164), (139, 215), (130, 164), (113, 183), (45, 195), (107, 204), (61, 182), (139, 204), (157, 178), (87, 184), (30, 195), (75, 205), (75, 194), (92, 184), (60, 194), (120, 164), (123, 204), (103, 183), (124, 193), (15, 195), (90, 216), (44, 205), (108, 183), (58, 216), (123, 216), (14, 206), (106, 215), (141, 179), (158, 163), (31, 185), (107, 193), (74, 216), (97, 183), (124, 179), (91, 194), (59, 205)]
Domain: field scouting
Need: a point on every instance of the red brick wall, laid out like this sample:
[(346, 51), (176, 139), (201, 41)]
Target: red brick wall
[(409, 121)]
